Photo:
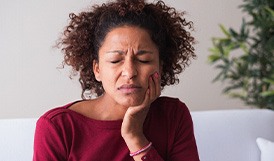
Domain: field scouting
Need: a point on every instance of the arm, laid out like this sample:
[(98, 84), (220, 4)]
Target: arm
[(132, 126), (48, 145), (183, 144)]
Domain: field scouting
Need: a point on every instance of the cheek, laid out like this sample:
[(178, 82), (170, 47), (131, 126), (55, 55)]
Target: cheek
[(107, 75), (149, 72), (112, 76)]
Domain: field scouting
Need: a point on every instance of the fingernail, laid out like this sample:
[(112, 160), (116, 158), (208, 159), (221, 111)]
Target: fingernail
[(156, 75)]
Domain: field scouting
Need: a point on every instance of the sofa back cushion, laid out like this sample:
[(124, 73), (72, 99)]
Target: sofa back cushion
[(16, 139), (230, 135)]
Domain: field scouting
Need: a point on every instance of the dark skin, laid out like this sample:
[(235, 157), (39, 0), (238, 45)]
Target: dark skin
[(129, 69)]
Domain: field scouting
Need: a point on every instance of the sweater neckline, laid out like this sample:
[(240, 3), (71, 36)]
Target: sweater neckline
[(103, 124)]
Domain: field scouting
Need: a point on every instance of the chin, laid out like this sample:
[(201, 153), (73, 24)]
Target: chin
[(129, 102)]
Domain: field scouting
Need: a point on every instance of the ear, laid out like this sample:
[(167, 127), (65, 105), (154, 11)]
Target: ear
[(96, 70)]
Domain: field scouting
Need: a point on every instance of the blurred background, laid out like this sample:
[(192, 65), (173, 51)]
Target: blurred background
[(32, 82)]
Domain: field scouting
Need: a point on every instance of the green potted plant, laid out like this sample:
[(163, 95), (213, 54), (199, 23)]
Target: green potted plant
[(245, 58)]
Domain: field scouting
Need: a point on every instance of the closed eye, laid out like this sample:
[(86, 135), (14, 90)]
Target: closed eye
[(144, 61), (115, 61)]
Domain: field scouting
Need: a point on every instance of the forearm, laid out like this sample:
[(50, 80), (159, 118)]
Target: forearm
[(132, 126), (142, 149), (135, 143)]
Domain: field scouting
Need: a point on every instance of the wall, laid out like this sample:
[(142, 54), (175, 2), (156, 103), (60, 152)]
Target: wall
[(31, 82)]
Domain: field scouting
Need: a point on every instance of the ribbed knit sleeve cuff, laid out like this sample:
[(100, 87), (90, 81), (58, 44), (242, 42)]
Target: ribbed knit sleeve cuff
[(152, 155)]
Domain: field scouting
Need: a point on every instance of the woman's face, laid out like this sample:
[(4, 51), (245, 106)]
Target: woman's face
[(127, 58)]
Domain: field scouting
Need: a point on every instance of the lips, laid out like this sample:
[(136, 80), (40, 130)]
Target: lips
[(129, 88)]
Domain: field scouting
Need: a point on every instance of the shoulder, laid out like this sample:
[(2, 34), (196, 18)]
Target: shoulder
[(57, 120), (58, 115), (169, 107), (165, 99), (57, 111), (169, 103)]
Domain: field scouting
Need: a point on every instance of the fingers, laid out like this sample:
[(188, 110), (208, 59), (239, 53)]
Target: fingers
[(154, 86), (147, 99), (151, 87), (157, 82), (152, 93)]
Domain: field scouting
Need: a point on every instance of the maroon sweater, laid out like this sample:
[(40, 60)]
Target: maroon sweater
[(64, 135)]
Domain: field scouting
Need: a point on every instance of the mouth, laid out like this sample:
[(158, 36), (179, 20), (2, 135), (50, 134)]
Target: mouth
[(129, 88)]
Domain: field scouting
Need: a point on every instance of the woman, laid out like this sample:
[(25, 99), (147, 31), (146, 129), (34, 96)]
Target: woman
[(126, 52)]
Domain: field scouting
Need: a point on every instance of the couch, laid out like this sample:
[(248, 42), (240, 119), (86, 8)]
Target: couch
[(222, 135), (230, 135)]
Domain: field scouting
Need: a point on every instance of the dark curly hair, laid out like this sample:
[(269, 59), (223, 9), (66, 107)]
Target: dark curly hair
[(86, 31)]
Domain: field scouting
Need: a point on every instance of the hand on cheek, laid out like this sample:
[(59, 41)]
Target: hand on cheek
[(135, 115), (153, 91), (154, 86), (132, 126)]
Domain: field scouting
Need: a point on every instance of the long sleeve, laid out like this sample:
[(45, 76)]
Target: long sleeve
[(64, 135), (48, 145), (169, 127), (184, 145), (152, 155)]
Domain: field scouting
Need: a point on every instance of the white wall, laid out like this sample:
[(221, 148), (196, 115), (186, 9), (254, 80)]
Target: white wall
[(31, 82)]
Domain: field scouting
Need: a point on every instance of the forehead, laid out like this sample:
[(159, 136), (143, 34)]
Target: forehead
[(130, 36)]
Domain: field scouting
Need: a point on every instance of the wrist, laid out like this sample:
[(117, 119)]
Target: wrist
[(135, 143), (142, 150), (138, 146)]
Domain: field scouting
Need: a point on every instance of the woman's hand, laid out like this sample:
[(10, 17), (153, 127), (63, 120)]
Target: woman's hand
[(132, 126)]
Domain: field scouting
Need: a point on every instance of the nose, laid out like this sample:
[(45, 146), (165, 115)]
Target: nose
[(129, 70)]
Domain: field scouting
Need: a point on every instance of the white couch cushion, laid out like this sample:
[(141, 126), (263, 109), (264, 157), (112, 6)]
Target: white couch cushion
[(229, 135), (16, 139)]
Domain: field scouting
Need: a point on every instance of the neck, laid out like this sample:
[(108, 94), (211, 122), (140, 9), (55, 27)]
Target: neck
[(108, 109)]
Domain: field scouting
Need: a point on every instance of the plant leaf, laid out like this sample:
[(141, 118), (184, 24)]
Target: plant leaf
[(267, 93), (270, 11), (224, 30)]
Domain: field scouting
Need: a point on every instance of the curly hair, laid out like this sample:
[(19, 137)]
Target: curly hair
[(168, 29)]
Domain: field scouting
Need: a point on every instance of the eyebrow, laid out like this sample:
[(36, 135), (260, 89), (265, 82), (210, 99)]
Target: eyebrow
[(116, 51), (140, 52)]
